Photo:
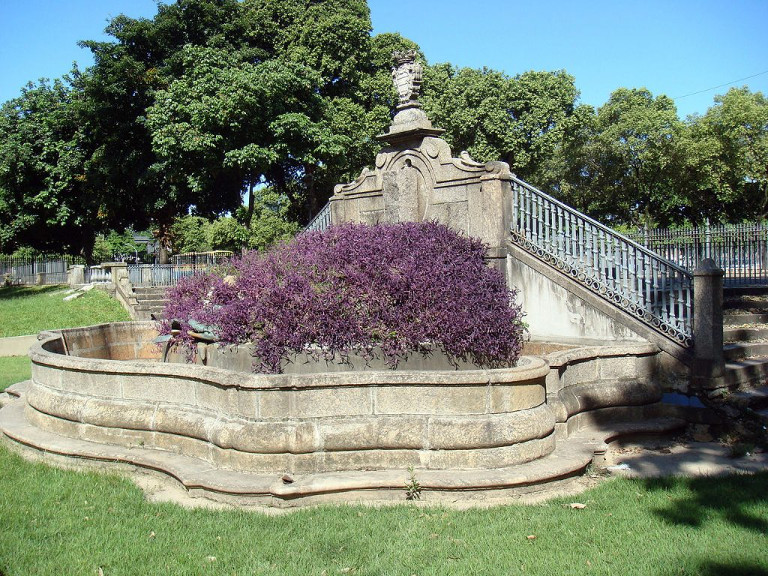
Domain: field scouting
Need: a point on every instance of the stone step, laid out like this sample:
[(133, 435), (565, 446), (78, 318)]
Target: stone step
[(756, 399), (746, 334), (735, 291), (744, 319), (152, 301), (740, 350), (752, 304), (749, 372), (151, 293)]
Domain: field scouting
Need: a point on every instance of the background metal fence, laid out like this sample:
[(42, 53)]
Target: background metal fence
[(741, 250), (43, 270)]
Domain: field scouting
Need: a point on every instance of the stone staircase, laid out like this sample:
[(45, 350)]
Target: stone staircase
[(745, 336), (150, 301)]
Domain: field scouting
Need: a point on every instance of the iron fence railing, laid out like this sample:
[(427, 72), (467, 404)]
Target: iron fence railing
[(201, 259), (648, 286), (741, 250), (46, 270), (321, 221), (161, 274)]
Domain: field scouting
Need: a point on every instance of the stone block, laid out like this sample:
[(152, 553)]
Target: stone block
[(510, 398), (180, 445), (215, 398), (276, 464), (578, 372), (269, 437), (373, 432), (491, 457), (123, 351), (55, 403), (368, 460), (466, 433), (157, 388), (49, 376), (183, 422), (315, 403), (431, 399), (617, 367), (97, 384), (131, 415)]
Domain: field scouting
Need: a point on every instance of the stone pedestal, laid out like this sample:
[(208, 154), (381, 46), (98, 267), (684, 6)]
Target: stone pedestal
[(709, 362)]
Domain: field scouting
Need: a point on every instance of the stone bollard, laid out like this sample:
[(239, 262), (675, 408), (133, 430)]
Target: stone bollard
[(709, 361)]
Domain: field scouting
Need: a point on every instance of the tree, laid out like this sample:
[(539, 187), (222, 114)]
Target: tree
[(527, 121), (726, 170), (270, 222), (189, 234), (631, 163), (46, 202)]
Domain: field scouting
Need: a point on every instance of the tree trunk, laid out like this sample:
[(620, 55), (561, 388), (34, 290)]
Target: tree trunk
[(250, 203)]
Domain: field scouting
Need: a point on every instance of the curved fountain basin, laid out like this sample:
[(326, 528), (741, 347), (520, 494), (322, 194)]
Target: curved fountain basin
[(106, 384)]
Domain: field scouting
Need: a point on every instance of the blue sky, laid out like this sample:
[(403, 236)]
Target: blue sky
[(672, 47)]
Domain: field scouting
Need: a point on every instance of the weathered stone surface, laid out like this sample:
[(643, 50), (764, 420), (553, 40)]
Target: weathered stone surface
[(618, 367), (510, 398), (373, 432), (469, 432), (431, 400), (491, 457), (157, 388)]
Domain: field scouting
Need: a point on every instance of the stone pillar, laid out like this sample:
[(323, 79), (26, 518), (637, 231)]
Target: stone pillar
[(709, 361), (118, 271), (76, 275)]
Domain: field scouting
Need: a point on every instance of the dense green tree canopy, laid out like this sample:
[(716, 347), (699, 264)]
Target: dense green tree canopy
[(45, 201), (278, 100)]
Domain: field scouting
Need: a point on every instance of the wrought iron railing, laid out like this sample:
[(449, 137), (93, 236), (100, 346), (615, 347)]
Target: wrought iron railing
[(651, 288), (43, 270), (740, 250), (321, 221), (161, 274)]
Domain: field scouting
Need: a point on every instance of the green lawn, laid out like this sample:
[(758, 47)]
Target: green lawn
[(60, 522), (30, 309), (14, 369)]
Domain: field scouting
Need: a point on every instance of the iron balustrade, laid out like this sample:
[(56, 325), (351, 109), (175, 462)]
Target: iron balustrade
[(651, 288), (321, 221), (44, 270)]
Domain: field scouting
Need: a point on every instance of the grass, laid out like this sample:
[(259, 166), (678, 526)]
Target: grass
[(61, 522), (30, 309), (14, 369)]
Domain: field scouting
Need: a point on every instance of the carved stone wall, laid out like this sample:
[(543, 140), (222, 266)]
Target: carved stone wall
[(416, 179)]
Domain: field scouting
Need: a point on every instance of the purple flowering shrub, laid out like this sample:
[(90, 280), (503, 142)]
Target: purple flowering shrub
[(393, 289)]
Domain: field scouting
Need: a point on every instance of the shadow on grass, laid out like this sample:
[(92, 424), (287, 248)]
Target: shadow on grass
[(9, 292), (734, 499), (737, 569)]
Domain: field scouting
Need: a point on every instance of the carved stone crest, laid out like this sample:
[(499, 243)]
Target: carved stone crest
[(407, 77)]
